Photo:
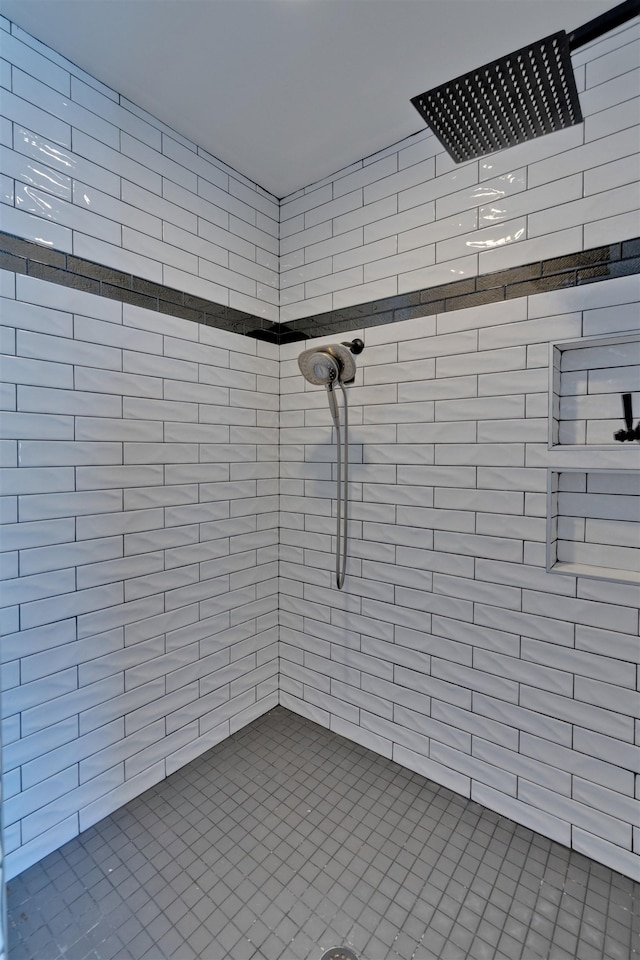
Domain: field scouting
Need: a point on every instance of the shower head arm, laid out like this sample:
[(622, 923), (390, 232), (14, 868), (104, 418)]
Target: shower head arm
[(603, 24), (355, 346)]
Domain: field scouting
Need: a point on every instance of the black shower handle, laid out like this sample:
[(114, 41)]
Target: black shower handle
[(627, 411)]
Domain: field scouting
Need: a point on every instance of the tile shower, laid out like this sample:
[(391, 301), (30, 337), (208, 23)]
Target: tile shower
[(167, 485)]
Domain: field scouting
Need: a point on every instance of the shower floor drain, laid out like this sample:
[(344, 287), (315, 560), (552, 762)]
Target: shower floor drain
[(339, 953)]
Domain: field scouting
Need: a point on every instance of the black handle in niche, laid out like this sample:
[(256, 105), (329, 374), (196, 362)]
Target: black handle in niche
[(631, 433)]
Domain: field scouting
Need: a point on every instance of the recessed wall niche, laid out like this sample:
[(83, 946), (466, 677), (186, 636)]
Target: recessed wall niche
[(594, 524), (588, 378)]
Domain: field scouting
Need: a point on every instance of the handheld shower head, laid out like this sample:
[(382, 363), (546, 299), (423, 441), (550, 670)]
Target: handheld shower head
[(330, 366), (318, 367), (323, 366)]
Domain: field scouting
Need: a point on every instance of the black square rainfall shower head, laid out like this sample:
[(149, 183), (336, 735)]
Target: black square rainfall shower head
[(519, 97)]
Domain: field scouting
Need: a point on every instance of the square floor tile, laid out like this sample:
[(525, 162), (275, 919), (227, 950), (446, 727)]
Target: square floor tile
[(286, 840)]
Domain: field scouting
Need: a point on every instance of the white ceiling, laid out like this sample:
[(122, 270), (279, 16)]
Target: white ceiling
[(289, 91)]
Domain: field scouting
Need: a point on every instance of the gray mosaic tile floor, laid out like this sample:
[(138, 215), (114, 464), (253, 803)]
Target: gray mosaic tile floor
[(286, 840)]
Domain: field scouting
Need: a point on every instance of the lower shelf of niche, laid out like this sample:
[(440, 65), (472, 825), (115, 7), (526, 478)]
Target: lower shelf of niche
[(595, 572)]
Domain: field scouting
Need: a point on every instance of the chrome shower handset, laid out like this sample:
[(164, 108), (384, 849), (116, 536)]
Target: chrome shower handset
[(323, 365), (327, 366)]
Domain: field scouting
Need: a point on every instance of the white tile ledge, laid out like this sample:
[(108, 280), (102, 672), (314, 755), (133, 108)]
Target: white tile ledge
[(595, 572)]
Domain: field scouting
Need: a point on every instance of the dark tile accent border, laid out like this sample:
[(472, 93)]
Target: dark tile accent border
[(36, 260), (588, 266)]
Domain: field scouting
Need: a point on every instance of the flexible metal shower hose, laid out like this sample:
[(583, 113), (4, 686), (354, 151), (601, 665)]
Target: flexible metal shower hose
[(342, 494)]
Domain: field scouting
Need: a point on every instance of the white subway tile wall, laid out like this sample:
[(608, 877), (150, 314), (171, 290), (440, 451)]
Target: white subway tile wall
[(88, 173), (589, 380), (411, 218), (596, 524), (3, 888), (149, 522), (139, 465), (452, 649)]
